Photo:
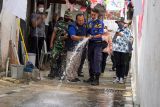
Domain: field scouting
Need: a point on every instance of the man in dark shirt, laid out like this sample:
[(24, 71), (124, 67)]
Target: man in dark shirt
[(77, 32), (37, 31)]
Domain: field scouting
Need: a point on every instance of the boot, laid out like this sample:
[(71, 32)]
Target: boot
[(96, 80), (90, 80), (52, 73)]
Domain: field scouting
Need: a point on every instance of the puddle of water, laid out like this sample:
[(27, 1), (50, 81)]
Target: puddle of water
[(11, 92), (3, 95), (70, 98), (17, 90)]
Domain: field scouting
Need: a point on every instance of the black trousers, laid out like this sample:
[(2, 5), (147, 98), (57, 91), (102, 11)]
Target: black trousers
[(120, 59), (127, 63), (113, 61), (104, 59), (36, 46)]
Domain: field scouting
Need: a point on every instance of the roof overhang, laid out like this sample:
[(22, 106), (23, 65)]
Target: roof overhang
[(57, 1), (80, 2)]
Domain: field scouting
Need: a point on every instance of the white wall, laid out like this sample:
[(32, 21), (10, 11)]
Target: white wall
[(63, 9), (134, 63), (149, 59), (7, 32), (147, 70)]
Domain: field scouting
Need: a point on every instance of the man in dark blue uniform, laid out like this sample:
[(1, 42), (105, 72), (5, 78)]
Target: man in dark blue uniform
[(77, 32), (95, 30)]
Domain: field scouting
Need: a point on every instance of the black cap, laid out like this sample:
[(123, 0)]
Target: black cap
[(121, 19)]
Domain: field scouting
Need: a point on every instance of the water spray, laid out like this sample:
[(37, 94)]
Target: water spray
[(78, 50)]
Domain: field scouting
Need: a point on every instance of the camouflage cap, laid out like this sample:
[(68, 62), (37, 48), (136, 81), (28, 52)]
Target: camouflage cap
[(68, 14)]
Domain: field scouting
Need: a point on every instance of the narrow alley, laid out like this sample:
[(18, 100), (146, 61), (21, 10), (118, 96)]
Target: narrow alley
[(79, 53)]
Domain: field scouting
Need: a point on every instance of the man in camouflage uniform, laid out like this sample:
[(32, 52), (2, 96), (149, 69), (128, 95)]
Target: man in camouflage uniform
[(57, 44)]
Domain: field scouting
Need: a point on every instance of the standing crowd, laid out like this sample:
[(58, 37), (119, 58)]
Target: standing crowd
[(64, 35)]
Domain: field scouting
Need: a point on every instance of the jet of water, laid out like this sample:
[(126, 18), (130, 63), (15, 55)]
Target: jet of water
[(77, 53)]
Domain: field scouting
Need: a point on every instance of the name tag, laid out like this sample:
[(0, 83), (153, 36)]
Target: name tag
[(90, 25)]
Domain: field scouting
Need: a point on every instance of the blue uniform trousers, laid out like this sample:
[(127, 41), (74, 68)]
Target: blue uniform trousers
[(95, 58)]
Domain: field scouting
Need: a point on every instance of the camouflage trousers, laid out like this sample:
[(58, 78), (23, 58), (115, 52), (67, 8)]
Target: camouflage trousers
[(58, 63), (73, 63)]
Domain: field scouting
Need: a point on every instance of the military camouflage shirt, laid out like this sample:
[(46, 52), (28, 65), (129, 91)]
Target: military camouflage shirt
[(61, 28)]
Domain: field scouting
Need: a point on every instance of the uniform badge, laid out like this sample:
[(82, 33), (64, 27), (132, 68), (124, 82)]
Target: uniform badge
[(99, 25), (96, 26)]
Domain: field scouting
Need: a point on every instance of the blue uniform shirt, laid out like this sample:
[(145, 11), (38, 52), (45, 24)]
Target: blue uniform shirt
[(75, 30), (94, 28)]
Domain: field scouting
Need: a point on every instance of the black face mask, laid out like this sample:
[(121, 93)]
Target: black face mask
[(120, 26)]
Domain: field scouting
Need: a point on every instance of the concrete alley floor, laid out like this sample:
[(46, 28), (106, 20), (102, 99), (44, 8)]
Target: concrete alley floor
[(53, 93)]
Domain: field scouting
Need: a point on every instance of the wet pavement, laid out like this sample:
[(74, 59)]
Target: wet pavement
[(54, 93)]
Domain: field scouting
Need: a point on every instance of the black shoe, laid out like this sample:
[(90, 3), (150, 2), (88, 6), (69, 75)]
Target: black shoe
[(95, 82), (89, 80), (51, 75), (77, 79), (74, 80), (113, 69), (80, 75)]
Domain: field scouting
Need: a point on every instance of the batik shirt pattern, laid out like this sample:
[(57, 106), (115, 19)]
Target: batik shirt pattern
[(120, 43)]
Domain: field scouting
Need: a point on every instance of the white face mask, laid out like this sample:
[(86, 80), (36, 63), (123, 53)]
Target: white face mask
[(41, 10), (95, 19), (105, 30)]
